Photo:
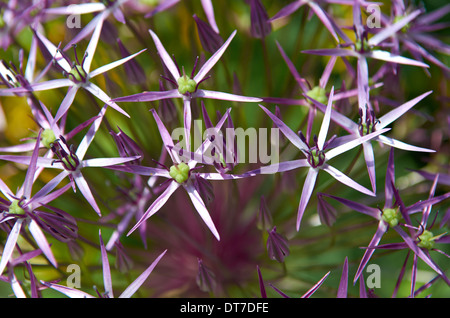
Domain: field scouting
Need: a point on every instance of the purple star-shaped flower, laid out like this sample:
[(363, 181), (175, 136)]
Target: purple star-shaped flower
[(21, 207), (108, 293), (368, 124), (187, 86), (78, 74), (390, 216), (316, 156), (181, 174), (71, 161)]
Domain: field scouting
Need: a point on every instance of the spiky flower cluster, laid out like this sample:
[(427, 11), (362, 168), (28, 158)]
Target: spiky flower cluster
[(337, 79)]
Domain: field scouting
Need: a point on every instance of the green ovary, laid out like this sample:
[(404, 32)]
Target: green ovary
[(426, 240), (180, 172), (78, 72), (318, 94), (367, 129), (185, 84), (362, 46), (15, 208), (391, 216), (70, 162), (318, 157), (48, 137)]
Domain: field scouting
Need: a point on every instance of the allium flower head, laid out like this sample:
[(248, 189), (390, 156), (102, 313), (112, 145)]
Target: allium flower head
[(317, 155), (180, 174), (71, 161), (25, 209), (108, 293), (187, 85), (77, 73)]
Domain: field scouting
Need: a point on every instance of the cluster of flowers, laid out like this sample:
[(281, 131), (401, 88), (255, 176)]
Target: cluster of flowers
[(30, 217)]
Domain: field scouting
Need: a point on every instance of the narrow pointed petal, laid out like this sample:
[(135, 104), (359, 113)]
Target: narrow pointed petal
[(313, 289), (363, 83), (120, 229), (167, 60), (10, 244), (332, 52), (261, 283), (88, 29), (31, 63), (362, 288), (53, 50), (77, 129), (92, 46), (394, 114), (432, 16), (389, 181), (308, 188), (389, 57), (100, 94), (66, 103), (42, 242), (322, 15), (48, 85), (149, 96), (26, 147), (76, 9), (401, 145), (112, 65), (359, 207), (69, 292), (300, 81), (213, 59), (106, 269), (119, 16), (327, 72), (42, 162), (187, 119), (6, 192), (420, 205), (202, 93), (343, 284), (103, 162), (325, 122), (370, 163), (86, 191), (427, 210), (166, 137), (39, 199), (141, 170), (392, 29), (288, 10), (162, 6), (278, 167), (382, 228), (201, 209), (157, 204), (292, 136), (17, 289), (354, 143), (339, 176), (87, 139), (209, 12), (134, 286), (31, 171)]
